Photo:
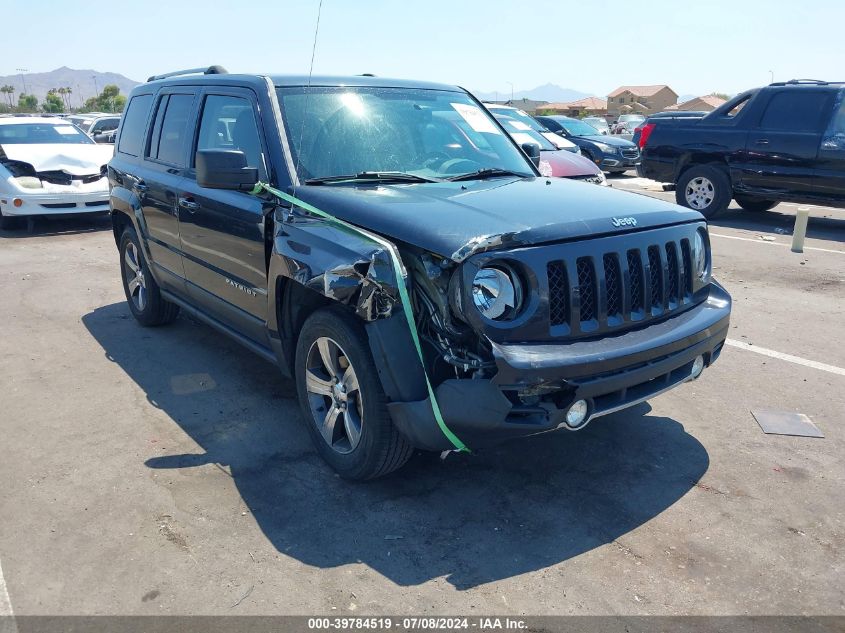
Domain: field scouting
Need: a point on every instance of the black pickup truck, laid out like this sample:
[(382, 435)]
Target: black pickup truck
[(781, 143), (390, 247)]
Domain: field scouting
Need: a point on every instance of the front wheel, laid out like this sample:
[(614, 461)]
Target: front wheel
[(705, 188), (342, 398), (754, 204)]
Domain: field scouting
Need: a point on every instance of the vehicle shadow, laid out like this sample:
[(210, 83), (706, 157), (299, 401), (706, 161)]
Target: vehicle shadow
[(781, 220), (45, 226), (472, 519)]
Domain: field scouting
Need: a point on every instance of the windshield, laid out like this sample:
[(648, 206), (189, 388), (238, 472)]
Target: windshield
[(578, 128), (334, 131), (521, 133), (38, 133), (596, 123), (519, 115)]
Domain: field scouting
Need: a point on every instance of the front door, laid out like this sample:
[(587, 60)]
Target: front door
[(222, 231), (831, 163)]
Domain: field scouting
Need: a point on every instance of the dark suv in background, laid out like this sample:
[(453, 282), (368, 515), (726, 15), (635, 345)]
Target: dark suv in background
[(783, 142), (611, 153), (390, 247)]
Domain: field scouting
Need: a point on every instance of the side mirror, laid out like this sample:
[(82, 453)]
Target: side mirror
[(225, 169), (533, 152)]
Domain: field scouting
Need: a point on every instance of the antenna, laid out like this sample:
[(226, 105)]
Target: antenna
[(307, 94)]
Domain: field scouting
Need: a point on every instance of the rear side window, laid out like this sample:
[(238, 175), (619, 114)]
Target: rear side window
[(170, 131), (134, 122), (795, 111), (228, 122)]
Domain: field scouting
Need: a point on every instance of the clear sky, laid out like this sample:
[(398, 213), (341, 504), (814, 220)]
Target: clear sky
[(695, 46)]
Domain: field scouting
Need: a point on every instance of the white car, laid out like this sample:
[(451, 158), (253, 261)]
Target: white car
[(526, 119), (48, 167)]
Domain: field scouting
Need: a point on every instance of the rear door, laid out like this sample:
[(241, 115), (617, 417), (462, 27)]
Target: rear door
[(223, 231), (165, 162), (782, 146)]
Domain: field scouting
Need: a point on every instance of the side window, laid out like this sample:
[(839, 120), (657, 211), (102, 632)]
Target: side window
[(795, 111), (134, 122), (228, 122), (170, 131), (834, 137), (730, 114)]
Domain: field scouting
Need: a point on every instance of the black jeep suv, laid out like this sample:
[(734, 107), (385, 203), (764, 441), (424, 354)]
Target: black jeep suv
[(389, 246), (781, 143)]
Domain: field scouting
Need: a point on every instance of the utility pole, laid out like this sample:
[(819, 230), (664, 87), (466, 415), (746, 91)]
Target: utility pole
[(23, 80), (511, 85), (772, 73), (96, 90)]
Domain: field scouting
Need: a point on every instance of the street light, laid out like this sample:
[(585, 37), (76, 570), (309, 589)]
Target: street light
[(511, 85), (96, 90), (23, 81), (772, 73)]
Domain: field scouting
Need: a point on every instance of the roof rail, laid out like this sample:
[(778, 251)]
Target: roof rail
[(211, 70), (795, 82)]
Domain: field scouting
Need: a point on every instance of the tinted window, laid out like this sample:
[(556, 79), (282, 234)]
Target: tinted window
[(171, 136), (134, 122), (795, 111), (229, 123)]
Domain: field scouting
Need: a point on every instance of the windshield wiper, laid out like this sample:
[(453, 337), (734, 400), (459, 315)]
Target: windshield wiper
[(489, 172), (376, 176)]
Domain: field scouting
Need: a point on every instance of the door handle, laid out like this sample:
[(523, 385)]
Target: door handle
[(762, 141), (140, 187), (188, 204)]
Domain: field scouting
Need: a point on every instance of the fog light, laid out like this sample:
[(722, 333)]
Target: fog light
[(17, 202), (577, 414), (697, 367)]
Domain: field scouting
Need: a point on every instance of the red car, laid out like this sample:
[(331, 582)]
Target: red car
[(553, 162)]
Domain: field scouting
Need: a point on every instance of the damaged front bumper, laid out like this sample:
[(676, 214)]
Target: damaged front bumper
[(57, 199), (535, 384)]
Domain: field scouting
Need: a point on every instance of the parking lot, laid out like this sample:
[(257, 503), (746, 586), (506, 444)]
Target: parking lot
[(168, 471)]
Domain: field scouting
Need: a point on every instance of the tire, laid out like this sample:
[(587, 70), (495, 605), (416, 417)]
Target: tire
[(142, 292), (705, 188), (588, 156), (362, 442), (754, 204)]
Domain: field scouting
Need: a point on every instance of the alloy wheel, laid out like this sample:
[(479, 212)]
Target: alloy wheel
[(699, 193), (135, 282), (334, 395)]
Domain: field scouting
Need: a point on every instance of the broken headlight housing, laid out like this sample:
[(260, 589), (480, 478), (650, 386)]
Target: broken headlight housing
[(497, 292)]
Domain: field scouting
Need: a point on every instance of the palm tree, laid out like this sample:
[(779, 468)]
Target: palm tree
[(9, 91), (68, 92), (62, 92)]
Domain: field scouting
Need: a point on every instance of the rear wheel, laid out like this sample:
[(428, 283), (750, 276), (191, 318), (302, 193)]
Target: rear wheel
[(342, 398), (705, 188), (754, 204), (142, 292)]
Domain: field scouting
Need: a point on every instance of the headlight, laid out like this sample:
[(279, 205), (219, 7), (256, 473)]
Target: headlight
[(607, 149), (497, 292), (700, 256)]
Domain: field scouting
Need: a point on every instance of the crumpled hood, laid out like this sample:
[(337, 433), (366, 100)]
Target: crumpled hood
[(457, 219), (77, 159)]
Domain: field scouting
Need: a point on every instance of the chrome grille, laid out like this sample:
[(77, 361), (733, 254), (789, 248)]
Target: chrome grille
[(587, 288), (631, 152), (558, 311), (609, 290)]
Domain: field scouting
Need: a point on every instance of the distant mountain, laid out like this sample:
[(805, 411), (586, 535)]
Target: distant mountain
[(81, 82), (547, 92)]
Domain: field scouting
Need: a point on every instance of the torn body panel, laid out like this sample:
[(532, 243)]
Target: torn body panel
[(77, 159), (337, 263)]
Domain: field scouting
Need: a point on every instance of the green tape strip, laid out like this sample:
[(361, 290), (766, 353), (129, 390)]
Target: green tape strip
[(400, 283)]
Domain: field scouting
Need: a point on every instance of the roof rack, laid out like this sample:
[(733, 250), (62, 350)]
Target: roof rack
[(795, 82), (211, 70)]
